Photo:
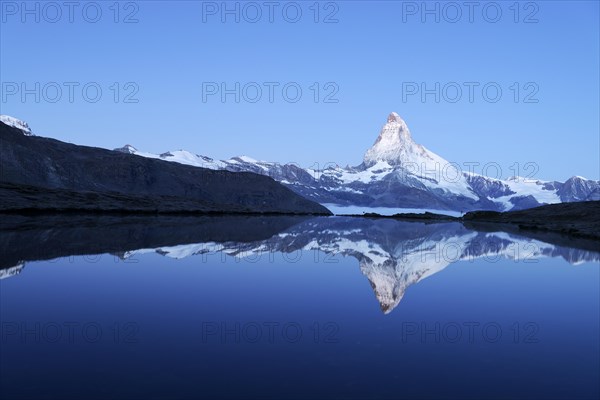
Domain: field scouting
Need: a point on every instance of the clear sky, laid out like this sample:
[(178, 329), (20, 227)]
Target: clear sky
[(367, 58)]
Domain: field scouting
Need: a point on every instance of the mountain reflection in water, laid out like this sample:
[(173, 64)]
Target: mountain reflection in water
[(392, 254)]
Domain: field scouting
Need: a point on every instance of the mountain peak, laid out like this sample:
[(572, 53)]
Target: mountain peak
[(393, 143), (16, 123), (129, 149), (394, 117)]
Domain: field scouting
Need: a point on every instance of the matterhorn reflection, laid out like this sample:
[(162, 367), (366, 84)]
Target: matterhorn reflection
[(392, 254)]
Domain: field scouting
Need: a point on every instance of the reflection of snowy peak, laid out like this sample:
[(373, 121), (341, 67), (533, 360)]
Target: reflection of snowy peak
[(8, 272), (392, 255), (406, 266), (400, 173)]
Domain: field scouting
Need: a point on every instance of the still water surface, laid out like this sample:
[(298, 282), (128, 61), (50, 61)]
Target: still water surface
[(292, 307)]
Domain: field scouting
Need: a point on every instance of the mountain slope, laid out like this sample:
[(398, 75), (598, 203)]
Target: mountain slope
[(42, 173), (397, 172), (16, 123)]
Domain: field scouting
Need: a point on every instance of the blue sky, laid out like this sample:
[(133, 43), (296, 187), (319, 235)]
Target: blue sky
[(367, 63)]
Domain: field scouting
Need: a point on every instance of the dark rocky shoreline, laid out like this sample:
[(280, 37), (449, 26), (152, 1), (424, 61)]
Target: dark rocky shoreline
[(32, 200), (577, 219)]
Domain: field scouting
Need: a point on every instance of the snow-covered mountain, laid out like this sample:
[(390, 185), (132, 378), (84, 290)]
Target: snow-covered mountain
[(399, 173), (395, 146), (396, 172), (16, 123)]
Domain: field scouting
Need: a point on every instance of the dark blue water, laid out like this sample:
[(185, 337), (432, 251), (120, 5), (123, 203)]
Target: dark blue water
[(335, 308)]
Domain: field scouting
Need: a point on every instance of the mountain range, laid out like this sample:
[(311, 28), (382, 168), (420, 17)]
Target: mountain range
[(43, 174), (397, 172)]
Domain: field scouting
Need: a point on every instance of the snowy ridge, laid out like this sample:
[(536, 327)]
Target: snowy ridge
[(16, 123), (395, 146), (396, 173)]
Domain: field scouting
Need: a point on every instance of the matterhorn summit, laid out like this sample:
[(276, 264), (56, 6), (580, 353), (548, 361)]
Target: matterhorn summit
[(395, 146), (398, 172)]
